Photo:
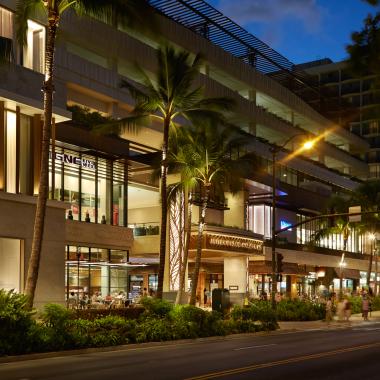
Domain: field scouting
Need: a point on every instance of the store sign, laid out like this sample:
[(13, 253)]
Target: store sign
[(285, 224), (73, 160), (233, 243)]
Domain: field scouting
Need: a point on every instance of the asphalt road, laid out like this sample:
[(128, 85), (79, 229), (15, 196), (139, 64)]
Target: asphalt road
[(351, 353)]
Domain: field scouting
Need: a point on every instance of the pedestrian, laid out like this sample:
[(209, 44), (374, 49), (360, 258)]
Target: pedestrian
[(329, 310), (365, 307), (347, 310), (340, 310)]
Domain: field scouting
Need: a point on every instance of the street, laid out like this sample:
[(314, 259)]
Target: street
[(323, 353)]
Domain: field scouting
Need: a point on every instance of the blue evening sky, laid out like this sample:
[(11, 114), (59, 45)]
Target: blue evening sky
[(301, 30)]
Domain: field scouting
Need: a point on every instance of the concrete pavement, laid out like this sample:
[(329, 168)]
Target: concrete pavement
[(355, 320)]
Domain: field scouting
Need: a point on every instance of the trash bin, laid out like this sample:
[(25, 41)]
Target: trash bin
[(220, 300)]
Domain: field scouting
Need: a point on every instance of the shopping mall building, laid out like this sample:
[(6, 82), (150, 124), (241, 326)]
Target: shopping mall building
[(102, 226)]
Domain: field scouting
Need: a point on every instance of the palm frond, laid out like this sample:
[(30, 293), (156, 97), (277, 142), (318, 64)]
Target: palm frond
[(131, 124), (136, 14), (25, 10)]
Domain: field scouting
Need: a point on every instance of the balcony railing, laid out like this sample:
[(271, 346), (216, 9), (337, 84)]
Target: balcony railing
[(145, 229)]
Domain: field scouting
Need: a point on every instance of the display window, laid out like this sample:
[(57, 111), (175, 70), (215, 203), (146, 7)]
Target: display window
[(95, 271), (95, 187)]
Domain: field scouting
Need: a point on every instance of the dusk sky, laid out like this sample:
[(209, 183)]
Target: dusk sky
[(301, 30)]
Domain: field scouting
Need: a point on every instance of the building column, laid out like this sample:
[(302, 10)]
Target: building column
[(2, 146), (236, 278)]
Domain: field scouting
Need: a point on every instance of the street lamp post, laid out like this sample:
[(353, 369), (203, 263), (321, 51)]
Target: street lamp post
[(274, 150)]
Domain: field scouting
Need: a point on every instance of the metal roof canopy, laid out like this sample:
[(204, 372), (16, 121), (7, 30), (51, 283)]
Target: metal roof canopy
[(211, 24)]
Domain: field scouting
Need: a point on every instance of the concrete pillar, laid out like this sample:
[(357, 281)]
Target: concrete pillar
[(236, 277), (291, 286), (235, 215), (166, 285), (293, 292), (146, 281)]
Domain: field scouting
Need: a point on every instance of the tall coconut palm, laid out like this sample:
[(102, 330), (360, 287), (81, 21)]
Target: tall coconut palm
[(210, 158), (179, 148), (169, 97), (340, 225), (367, 195), (127, 13)]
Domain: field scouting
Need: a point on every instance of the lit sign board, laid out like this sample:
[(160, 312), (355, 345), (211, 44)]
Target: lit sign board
[(73, 160), (285, 224), (233, 243)]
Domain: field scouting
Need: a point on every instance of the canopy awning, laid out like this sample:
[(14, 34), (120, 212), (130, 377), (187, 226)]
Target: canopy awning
[(353, 274)]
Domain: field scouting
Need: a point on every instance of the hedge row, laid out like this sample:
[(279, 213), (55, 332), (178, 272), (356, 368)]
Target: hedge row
[(60, 329)]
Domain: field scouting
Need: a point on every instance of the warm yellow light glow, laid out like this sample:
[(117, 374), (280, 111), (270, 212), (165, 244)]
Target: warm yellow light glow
[(372, 236), (308, 144)]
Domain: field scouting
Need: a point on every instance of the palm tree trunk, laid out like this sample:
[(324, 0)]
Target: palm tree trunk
[(164, 209), (182, 284), (194, 282), (43, 191)]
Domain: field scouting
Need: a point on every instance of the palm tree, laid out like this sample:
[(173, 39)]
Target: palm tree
[(178, 150), (209, 156), (171, 96), (340, 225), (367, 195), (127, 13)]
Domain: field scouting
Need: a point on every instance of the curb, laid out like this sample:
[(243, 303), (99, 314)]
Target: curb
[(126, 347), (151, 345)]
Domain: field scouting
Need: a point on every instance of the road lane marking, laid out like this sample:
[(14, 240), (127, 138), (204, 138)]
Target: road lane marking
[(249, 347), (229, 372)]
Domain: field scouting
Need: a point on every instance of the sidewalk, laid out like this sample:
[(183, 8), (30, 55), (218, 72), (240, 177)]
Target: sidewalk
[(355, 320)]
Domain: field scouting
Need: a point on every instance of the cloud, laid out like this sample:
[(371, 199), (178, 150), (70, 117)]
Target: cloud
[(274, 12)]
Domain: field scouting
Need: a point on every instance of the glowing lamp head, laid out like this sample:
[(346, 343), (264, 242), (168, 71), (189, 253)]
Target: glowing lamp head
[(308, 144)]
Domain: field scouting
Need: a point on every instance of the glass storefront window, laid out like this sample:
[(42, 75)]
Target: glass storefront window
[(99, 255), (153, 282), (93, 186), (95, 270), (118, 257), (118, 280), (88, 201), (34, 51)]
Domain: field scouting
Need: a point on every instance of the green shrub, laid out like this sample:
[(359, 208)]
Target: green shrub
[(296, 310), (155, 307), (92, 314), (154, 330), (15, 323), (57, 321)]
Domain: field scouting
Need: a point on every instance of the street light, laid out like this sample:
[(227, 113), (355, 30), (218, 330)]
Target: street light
[(274, 150)]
